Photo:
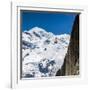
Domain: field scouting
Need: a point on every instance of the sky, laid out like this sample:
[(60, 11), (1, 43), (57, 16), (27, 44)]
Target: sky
[(57, 23)]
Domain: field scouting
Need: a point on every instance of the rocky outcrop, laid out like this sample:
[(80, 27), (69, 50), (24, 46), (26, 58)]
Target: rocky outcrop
[(71, 62)]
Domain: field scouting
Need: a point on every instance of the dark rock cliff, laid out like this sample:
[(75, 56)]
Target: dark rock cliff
[(71, 61)]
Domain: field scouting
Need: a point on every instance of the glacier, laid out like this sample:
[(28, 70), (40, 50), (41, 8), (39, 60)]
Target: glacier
[(43, 52)]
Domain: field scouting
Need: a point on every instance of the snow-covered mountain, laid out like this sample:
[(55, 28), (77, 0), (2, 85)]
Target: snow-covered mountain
[(42, 52)]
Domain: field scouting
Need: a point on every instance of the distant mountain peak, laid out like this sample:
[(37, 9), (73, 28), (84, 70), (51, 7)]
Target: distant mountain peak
[(43, 52), (36, 29)]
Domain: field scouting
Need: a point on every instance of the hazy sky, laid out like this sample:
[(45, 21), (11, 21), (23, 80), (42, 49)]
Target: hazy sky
[(57, 23)]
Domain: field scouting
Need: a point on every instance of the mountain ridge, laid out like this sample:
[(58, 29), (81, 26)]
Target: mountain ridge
[(42, 52)]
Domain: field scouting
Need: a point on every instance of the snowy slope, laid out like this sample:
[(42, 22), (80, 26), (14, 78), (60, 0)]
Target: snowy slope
[(42, 52)]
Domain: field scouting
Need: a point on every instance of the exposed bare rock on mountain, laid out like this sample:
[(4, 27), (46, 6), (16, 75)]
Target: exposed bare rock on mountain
[(71, 61)]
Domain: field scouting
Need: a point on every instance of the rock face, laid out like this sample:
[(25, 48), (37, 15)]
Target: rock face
[(71, 63)]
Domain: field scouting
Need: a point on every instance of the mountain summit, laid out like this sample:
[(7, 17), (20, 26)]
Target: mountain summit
[(36, 29), (43, 52)]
